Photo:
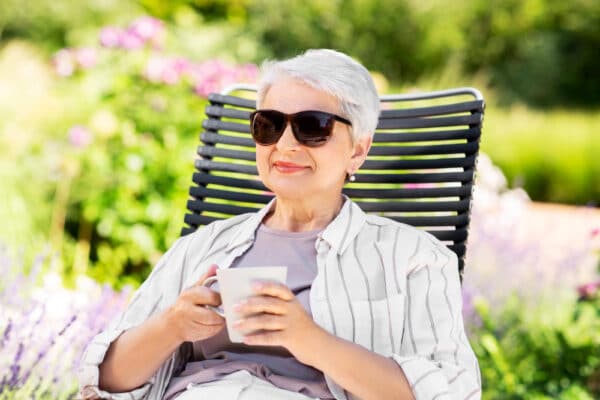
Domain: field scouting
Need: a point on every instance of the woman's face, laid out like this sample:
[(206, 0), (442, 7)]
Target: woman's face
[(292, 170)]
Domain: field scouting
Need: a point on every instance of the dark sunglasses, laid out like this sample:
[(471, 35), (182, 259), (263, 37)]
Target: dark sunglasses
[(311, 128)]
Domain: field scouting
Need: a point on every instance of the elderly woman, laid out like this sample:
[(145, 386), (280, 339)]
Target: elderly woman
[(371, 308)]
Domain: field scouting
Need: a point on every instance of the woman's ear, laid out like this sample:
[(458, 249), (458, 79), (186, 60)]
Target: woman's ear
[(362, 146)]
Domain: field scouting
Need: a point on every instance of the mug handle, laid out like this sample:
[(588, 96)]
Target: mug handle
[(208, 282)]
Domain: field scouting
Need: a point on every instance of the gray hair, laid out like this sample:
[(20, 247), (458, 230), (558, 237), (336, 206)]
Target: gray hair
[(334, 73)]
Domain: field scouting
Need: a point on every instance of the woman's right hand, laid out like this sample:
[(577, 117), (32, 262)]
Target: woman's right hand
[(189, 318)]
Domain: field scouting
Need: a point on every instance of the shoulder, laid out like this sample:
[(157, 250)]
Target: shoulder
[(215, 230)]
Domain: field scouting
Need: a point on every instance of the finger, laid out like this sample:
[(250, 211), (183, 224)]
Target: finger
[(260, 322), (207, 331), (261, 304), (274, 289), (211, 271), (205, 316), (201, 295)]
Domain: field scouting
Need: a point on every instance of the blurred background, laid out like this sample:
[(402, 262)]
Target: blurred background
[(101, 104)]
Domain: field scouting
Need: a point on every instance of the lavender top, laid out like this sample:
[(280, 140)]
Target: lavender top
[(217, 356)]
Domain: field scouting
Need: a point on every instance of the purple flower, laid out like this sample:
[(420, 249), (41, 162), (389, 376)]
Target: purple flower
[(110, 36), (79, 136), (6, 334)]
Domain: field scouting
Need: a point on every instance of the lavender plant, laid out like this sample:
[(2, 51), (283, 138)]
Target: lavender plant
[(44, 327)]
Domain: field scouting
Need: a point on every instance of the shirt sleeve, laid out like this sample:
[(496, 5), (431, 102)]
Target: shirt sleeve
[(153, 295), (435, 354)]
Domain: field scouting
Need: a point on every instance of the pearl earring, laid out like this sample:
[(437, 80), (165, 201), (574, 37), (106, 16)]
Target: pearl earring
[(351, 178)]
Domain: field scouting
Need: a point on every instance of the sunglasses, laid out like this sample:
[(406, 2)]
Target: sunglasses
[(311, 128)]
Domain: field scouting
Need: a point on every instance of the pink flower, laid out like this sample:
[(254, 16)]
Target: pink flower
[(64, 63), (588, 290), (130, 40), (206, 87), (146, 28), (595, 232), (79, 136), (155, 67), (110, 36), (86, 57), (170, 76)]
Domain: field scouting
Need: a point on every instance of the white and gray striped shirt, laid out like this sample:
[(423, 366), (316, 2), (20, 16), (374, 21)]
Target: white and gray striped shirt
[(386, 286)]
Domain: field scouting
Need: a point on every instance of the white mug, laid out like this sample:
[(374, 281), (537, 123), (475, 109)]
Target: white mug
[(235, 285)]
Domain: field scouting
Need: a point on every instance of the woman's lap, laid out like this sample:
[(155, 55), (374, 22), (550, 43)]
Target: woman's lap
[(240, 385)]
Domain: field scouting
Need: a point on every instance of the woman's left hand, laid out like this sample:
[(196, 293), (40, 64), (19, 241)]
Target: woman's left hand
[(274, 317)]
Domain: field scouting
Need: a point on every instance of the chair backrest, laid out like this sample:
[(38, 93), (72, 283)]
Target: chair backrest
[(419, 170)]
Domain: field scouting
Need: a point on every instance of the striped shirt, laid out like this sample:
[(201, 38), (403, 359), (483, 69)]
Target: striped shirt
[(386, 286)]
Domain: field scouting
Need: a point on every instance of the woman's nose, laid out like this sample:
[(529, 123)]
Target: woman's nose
[(287, 139)]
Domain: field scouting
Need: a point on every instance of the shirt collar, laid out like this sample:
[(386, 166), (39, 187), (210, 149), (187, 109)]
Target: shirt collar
[(338, 234), (345, 226)]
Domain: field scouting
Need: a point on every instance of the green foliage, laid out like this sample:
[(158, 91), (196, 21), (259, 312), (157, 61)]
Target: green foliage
[(544, 52), (53, 24), (541, 352), (553, 156), (391, 36), (128, 185)]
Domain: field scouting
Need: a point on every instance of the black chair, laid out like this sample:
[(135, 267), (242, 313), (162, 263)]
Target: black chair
[(419, 171)]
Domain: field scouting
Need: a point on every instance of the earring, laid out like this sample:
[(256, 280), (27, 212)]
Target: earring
[(351, 177)]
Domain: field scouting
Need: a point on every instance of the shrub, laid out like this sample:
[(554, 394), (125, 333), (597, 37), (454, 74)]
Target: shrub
[(128, 155)]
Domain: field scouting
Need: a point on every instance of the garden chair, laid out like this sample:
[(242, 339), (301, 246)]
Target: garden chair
[(419, 170)]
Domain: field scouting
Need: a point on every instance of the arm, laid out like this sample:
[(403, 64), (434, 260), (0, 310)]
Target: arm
[(435, 354), (344, 362), (159, 291), (127, 367), (287, 324)]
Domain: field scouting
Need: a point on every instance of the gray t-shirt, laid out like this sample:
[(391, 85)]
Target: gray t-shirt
[(217, 356)]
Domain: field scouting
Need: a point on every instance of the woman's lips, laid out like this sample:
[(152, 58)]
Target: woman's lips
[(287, 167)]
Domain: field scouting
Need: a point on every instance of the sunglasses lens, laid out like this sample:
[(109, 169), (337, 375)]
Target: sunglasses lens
[(313, 128), (267, 126)]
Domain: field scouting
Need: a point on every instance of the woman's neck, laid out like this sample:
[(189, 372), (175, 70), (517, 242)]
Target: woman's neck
[(300, 215)]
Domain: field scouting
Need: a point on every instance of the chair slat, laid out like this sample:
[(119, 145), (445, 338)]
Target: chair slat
[(466, 176), (457, 235), (397, 123), (414, 206), (217, 98), (225, 167), (451, 220), (222, 112), (394, 164), (201, 192), (466, 148), (464, 107), (215, 125), (427, 136), (206, 179), (412, 193), (194, 205)]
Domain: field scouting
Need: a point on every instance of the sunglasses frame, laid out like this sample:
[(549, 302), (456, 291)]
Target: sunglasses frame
[(296, 130)]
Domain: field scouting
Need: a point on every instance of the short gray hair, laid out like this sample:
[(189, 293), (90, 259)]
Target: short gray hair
[(334, 73)]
